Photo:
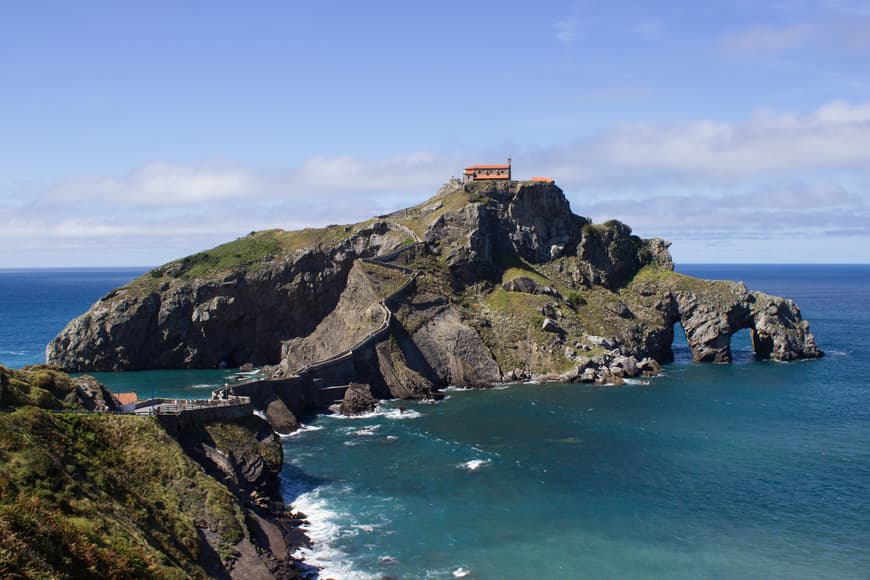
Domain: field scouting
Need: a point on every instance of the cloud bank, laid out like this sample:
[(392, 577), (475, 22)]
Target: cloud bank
[(771, 174)]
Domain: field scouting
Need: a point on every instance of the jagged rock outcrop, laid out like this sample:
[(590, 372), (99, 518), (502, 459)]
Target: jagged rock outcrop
[(280, 417), (775, 324), (527, 285), (452, 349), (358, 399), (407, 374), (484, 282), (93, 395)]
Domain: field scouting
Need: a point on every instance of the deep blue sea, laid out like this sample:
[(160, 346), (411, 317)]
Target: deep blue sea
[(36, 304), (748, 470)]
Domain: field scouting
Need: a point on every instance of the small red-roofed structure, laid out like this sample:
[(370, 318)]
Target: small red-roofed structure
[(496, 172), (127, 401), (542, 179)]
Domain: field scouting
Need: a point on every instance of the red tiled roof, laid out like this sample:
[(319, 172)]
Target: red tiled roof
[(498, 166), (125, 398), (539, 178)]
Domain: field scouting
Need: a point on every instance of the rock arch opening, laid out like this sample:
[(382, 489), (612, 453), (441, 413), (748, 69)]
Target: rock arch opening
[(680, 351), (740, 344)]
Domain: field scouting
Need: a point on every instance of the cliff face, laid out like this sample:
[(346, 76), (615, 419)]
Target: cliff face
[(221, 307), (484, 282)]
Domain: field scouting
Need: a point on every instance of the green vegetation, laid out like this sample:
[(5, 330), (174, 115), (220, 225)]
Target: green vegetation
[(515, 324), (242, 253), (675, 282), (38, 386), (237, 254), (515, 267), (104, 496), (575, 299), (98, 495), (515, 303)]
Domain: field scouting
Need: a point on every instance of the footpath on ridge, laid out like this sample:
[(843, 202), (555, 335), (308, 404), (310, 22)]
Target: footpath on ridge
[(325, 381)]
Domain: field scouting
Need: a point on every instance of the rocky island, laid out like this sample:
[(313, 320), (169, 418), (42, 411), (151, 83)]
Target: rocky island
[(488, 281)]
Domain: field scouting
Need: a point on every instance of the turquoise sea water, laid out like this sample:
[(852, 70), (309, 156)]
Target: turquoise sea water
[(749, 470)]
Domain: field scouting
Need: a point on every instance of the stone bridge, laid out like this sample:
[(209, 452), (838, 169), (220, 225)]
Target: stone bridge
[(317, 386)]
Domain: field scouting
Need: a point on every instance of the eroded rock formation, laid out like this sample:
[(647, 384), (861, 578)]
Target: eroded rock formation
[(482, 283), (775, 324)]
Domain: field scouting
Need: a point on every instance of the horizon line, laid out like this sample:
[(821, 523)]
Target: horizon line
[(4, 269)]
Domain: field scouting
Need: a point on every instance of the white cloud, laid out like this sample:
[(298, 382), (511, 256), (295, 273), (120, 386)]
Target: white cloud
[(566, 30), (833, 137), (767, 39), (408, 172), (172, 184), (163, 184), (767, 212), (771, 174)]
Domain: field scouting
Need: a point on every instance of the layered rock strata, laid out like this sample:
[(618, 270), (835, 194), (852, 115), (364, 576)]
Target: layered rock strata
[(483, 283)]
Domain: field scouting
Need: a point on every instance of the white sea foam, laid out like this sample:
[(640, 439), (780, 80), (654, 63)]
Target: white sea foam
[(260, 414), (366, 431), (474, 464), (205, 386), (636, 382), (385, 412), (452, 389), (302, 429), (324, 530), (461, 572)]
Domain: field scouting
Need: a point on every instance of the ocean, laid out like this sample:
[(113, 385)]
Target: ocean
[(749, 470), (36, 304)]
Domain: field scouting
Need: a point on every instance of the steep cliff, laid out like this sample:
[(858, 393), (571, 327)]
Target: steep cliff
[(226, 306), (481, 283)]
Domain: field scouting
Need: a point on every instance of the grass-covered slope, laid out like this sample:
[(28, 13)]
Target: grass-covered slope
[(102, 496), (37, 386)]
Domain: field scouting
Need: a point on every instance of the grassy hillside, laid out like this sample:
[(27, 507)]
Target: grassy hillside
[(38, 386), (99, 495)]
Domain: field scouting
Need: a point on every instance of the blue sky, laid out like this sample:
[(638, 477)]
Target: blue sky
[(135, 133)]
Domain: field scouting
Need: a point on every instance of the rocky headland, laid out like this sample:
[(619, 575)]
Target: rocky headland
[(483, 283), (89, 493)]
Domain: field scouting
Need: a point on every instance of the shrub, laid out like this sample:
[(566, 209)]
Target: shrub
[(575, 299)]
